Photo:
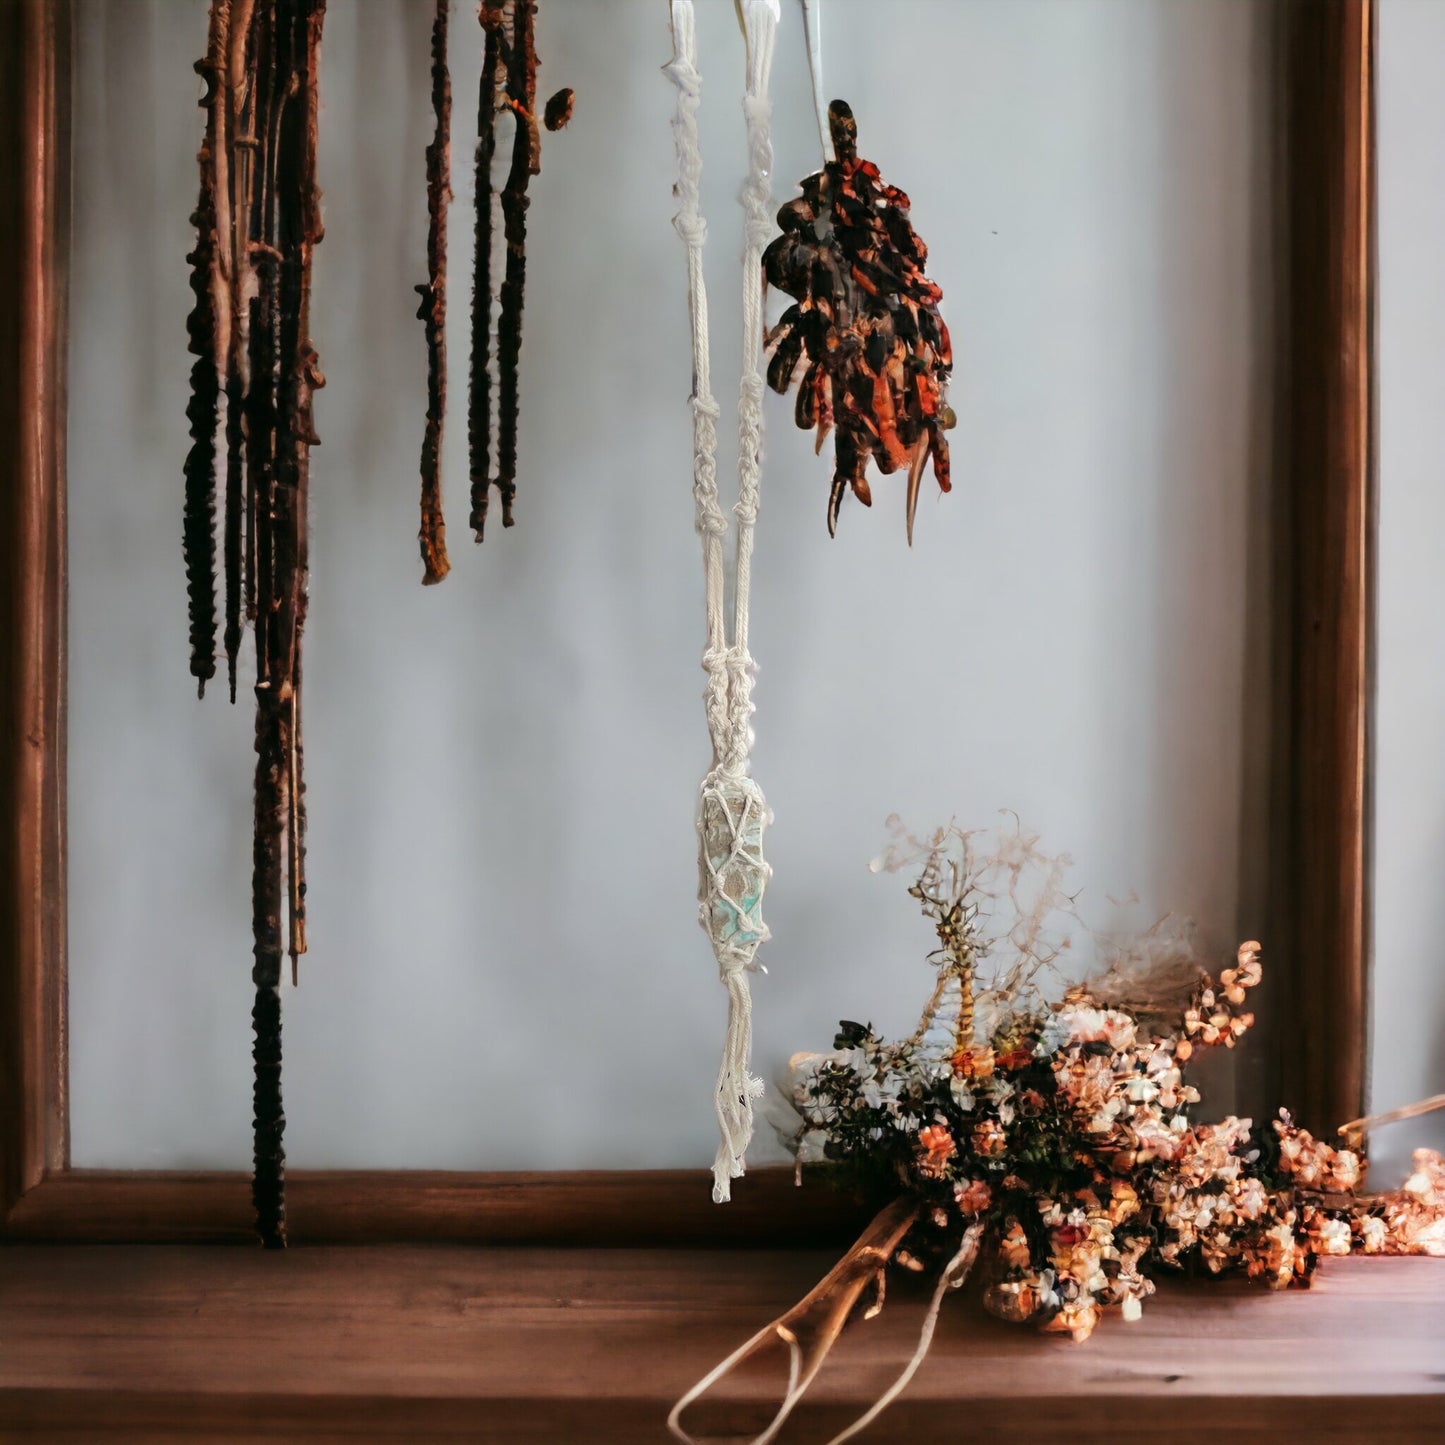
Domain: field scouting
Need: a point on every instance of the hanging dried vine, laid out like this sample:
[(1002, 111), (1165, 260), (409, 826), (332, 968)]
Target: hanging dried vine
[(526, 162), (433, 309), (509, 82), (206, 327), (479, 396), (258, 221)]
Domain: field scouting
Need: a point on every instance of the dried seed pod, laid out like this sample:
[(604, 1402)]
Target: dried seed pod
[(558, 110)]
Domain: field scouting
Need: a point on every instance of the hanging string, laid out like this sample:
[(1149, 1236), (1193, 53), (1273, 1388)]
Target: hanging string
[(732, 812), (813, 33)]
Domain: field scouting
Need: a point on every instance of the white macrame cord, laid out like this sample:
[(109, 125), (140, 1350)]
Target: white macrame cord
[(732, 813), (813, 33)]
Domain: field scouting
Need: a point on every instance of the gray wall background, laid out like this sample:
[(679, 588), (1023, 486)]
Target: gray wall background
[(506, 969), (1408, 1021)]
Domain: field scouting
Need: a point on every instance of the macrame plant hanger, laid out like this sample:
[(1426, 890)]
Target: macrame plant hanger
[(732, 813)]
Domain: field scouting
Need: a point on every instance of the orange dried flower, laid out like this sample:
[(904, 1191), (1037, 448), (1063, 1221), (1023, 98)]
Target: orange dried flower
[(988, 1138), (973, 1196), (935, 1148), (974, 1063)]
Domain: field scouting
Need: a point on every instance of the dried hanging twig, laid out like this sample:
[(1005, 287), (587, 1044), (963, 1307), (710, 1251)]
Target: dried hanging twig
[(509, 81), (433, 309), (258, 223), (526, 162), (207, 329), (479, 399)]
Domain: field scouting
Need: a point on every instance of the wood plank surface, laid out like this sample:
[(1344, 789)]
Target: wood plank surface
[(643, 1207), (1318, 924), (412, 1342), (35, 40)]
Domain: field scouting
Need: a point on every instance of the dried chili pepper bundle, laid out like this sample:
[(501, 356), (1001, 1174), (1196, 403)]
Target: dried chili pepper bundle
[(509, 83), (258, 221), (865, 329)]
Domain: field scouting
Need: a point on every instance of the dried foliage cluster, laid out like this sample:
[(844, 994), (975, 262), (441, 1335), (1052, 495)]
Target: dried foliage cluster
[(1052, 1142), (865, 329), (257, 222), (509, 84)]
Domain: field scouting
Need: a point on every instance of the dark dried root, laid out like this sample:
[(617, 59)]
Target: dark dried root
[(522, 99), (558, 110), (202, 411), (479, 395), (268, 1183), (433, 310)]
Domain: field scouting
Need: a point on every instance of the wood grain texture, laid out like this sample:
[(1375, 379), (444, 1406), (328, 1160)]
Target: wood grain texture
[(34, 244), (401, 1343), (638, 1208), (1324, 606)]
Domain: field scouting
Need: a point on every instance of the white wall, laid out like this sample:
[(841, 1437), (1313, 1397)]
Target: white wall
[(1408, 1003), (506, 969)]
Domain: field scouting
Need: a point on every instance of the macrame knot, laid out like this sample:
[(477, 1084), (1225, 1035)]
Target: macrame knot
[(710, 520), (758, 228), (692, 228)]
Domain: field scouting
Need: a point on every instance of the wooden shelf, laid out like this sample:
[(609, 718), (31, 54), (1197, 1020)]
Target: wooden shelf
[(411, 1342)]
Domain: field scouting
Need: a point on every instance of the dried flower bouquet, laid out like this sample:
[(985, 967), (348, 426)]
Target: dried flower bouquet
[(1051, 1142)]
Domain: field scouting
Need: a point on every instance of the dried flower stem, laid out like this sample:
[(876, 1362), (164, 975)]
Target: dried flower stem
[(433, 309), (1356, 1130)]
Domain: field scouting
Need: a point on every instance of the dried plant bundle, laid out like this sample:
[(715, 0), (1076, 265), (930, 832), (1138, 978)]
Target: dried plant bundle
[(258, 221), (864, 329), (509, 83)]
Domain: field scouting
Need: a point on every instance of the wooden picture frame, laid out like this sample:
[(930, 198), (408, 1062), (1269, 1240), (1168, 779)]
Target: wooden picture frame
[(1324, 521)]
